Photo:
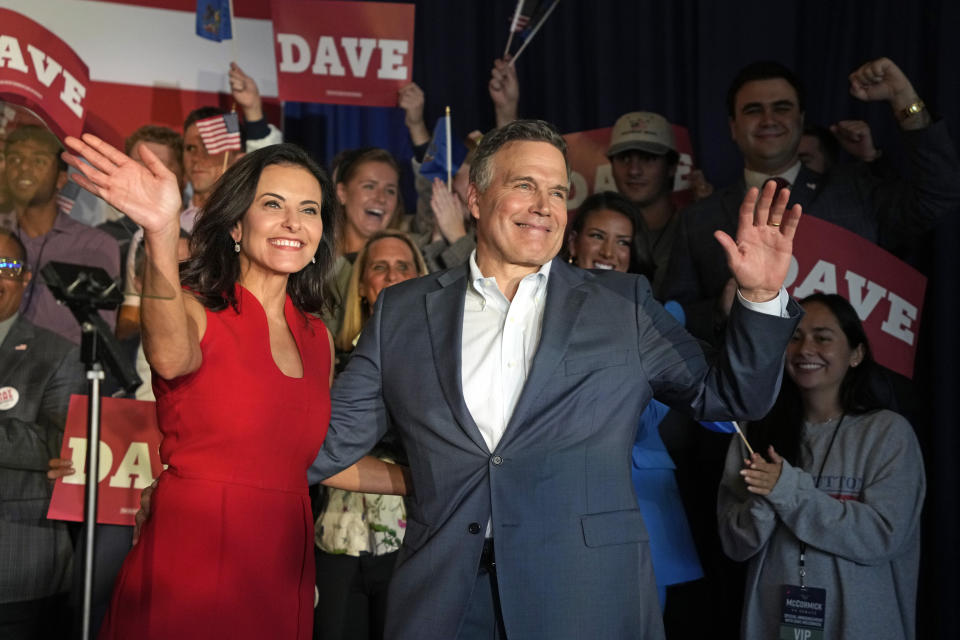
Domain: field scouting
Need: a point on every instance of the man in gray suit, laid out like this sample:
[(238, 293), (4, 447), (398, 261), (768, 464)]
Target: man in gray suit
[(516, 383), (38, 372)]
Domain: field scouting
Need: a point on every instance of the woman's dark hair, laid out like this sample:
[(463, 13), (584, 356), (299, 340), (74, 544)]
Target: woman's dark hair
[(782, 427), (616, 202), (212, 270)]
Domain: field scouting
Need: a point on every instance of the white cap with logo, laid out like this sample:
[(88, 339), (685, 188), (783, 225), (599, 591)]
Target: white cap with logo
[(642, 131)]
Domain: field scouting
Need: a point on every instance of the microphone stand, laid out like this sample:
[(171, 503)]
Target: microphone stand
[(85, 290)]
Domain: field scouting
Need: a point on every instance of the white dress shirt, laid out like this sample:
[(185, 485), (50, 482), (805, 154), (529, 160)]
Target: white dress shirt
[(499, 341), (758, 179)]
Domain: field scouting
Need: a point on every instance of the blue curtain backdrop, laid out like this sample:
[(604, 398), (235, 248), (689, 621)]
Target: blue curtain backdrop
[(595, 60)]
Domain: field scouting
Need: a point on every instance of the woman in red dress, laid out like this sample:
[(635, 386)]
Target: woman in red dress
[(241, 371)]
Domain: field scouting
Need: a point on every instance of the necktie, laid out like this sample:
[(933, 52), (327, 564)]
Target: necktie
[(780, 182)]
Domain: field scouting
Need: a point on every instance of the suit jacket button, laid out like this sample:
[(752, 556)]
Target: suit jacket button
[(497, 460), (474, 527)]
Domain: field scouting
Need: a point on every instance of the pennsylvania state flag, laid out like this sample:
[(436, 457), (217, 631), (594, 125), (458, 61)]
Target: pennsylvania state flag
[(435, 159), (213, 19)]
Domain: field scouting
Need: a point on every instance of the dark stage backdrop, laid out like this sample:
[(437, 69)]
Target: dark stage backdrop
[(595, 60)]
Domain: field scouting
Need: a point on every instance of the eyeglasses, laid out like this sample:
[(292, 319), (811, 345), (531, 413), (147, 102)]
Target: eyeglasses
[(11, 267)]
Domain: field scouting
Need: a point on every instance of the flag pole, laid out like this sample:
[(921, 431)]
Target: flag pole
[(226, 156), (534, 32), (736, 425), (233, 48), (233, 32), (449, 153), (513, 27)]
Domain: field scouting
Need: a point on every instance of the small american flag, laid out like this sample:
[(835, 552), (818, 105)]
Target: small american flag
[(220, 133), (524, 14)]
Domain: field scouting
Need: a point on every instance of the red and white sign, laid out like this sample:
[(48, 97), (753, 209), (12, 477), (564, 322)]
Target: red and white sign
[(40, 71), (357, 53), (147, 65), (590, 170), (129, 460), (886, 292)]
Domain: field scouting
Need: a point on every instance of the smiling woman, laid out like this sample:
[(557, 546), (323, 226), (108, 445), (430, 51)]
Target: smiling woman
[(241, 374), (267, 199), (368, 193), (601, 235), (834, 508), (389, 257), (358, 535), (369, 201)]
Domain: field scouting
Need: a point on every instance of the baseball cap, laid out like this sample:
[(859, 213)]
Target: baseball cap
[(643, 131)]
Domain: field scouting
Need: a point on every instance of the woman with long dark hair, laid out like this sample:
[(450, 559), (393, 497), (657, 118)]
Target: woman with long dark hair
[(241, 370), (601, 235), (829, 516)]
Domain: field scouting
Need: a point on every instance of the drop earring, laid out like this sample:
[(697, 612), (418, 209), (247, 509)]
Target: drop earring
[(236, 247)]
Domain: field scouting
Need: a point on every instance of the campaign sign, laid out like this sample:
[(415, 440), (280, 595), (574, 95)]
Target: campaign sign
[(39, 71), (590, 170), (129, 460), (886, 292), (357, 53)]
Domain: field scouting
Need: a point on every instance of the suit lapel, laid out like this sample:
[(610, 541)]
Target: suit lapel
[(731, 199), (560, 313), (20, 333), (445, 322), (806, 188)]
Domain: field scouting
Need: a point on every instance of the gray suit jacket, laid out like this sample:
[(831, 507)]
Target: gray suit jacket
[(45, 370), (891, 213), (572, 554)]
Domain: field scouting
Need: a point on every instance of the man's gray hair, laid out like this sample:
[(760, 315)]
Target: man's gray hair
[(481, 169)]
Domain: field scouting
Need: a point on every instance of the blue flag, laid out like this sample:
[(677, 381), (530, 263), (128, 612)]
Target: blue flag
[(213, 19), (656, 411), (719, 427), (435, 160)]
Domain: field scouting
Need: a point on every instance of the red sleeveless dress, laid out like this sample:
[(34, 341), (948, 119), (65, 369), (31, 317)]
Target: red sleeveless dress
[(228, 549)]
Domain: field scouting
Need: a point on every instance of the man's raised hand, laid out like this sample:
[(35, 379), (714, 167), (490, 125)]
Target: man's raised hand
[(246, 93), (882, 79), (760, 256)]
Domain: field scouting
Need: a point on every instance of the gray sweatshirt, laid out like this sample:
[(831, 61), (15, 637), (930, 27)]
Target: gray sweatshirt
[(861, 523)]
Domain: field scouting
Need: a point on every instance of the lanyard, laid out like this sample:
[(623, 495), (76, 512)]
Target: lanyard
[(803, 545), (32, 285)]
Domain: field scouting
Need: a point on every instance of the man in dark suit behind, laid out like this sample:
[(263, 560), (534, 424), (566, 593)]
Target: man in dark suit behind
[(39, 370), (516, 383), (765, 106)]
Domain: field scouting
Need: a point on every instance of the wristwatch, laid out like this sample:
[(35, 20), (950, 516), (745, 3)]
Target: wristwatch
[(912, 110)]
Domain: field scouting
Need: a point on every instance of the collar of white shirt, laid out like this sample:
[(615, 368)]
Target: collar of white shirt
[(758, 179), (489, 292)]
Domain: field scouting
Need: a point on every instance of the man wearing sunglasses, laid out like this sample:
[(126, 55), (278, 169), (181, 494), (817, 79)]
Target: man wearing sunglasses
[(38, 371)]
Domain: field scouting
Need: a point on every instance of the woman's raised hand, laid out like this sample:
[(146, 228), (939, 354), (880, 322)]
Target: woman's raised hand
[(148, 193)]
